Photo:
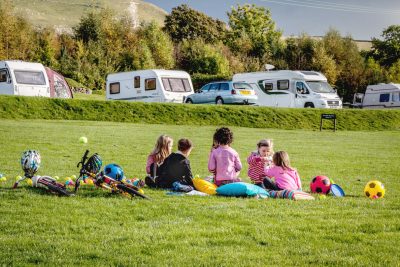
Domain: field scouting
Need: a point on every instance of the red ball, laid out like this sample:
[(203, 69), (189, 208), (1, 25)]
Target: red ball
[(320, 184)]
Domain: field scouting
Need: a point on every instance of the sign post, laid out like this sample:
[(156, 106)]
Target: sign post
[(328, 117)]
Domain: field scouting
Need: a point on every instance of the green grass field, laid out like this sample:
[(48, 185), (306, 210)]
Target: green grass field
[(97, 229)]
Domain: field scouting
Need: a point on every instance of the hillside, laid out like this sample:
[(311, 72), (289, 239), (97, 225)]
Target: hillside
[(64, 14)]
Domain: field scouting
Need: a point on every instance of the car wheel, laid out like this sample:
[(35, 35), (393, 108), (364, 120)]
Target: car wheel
[(219, 101), (309, 105), (189, 101)]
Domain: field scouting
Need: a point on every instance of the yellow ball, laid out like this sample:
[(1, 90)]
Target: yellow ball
[(3, 179), (18, 178), (83, 140), (73, 177), (374, 189), (57, 178), (29, 182)]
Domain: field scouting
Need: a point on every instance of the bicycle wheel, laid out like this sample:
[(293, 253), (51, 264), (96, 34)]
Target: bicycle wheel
[(131, 191), (57, 189)]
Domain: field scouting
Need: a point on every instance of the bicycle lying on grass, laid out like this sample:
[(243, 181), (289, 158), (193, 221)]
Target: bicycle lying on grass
[(30, 163), (90, 168)]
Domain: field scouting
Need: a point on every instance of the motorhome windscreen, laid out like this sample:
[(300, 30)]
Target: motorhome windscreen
[(320, 87), (242, 86), (177, 85), (30, 77)]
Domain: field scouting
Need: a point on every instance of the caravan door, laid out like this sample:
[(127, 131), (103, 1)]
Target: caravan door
[(6, 86), (395, 100), (265, 98), (284, 97)]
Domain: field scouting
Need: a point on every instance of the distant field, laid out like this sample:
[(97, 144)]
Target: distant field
[(66, 14), (96, 229)]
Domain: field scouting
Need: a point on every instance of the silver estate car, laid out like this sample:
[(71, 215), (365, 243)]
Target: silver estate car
[(224, 93)]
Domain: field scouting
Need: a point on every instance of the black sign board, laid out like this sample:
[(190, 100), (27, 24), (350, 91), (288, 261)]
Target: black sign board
[(328, 117)]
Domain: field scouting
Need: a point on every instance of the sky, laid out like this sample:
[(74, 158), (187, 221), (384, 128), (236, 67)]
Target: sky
[(362, 19)]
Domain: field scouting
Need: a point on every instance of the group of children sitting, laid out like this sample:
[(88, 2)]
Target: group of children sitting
[(267, 169)]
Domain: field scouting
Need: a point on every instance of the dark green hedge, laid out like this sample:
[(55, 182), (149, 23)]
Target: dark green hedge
[(182, 114)]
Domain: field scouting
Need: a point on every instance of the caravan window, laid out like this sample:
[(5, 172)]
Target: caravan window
[(269, 86), (396, 97), (137, 82), (114, 88), (384, 98), (30, 77), (150, 84), (283, 85), (266, 85), (176, 85), (3, 76)]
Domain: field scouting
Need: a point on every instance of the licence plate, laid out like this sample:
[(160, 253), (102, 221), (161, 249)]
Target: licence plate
[(245, 92)]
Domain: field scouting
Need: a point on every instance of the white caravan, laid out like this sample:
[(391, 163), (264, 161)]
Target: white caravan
[(294, 89), (23, 78), (379, 96), (149, 86)]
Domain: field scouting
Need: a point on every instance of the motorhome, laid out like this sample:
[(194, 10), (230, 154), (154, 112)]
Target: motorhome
[(294, 89), (378, 96), (149, 86), (23, 78)]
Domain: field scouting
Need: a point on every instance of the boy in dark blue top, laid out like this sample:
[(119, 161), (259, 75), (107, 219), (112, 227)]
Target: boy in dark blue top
[(175, 171)]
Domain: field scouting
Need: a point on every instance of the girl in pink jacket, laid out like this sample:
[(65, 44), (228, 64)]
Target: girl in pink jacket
[(284, 175), (224, 161)]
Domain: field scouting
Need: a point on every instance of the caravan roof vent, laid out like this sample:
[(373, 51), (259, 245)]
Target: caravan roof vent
[(310, 73)]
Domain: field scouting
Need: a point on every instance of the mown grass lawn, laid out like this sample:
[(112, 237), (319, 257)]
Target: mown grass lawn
[(95, 228)]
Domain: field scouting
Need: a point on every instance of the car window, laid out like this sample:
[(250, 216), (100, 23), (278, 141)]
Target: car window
[(205, 88), (224, 86), (214, 86), (242, 86)]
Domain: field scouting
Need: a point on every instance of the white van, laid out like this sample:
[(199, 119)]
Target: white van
[(294, 89), (149, 86), (23, 78), (378, 96)]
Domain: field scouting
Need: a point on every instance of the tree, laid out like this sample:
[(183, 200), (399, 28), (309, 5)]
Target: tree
[(394, 72), (160, 45), (373, 72), (299, 52), (324, 63), (16, 34), (387, 51), (185, 23), (253, 25), (46, 48), (350, 63), (199, 57)]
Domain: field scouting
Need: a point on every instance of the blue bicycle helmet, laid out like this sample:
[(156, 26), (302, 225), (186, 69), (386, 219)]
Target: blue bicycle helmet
[(114, 171), (94, 164), (30, 162)]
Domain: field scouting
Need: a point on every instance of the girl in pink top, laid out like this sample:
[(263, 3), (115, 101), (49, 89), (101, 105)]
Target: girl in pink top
[(224, 161), (259, 160), (285, 176)]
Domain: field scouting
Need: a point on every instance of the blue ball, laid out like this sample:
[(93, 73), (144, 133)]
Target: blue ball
[(114, 171)]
